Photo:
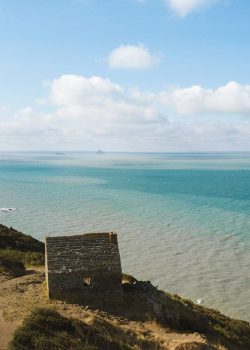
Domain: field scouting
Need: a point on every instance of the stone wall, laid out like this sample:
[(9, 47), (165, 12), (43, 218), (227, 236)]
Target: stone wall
[(82, 263)]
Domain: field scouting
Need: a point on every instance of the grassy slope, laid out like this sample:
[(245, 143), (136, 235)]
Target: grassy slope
[(210, 322), (47, 329), (18, 250), (183, 315), (140, 305)]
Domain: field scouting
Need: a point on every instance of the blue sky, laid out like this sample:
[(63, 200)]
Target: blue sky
[(171, 75)]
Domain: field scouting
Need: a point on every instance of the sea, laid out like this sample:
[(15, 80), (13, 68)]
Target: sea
[(183, 219)]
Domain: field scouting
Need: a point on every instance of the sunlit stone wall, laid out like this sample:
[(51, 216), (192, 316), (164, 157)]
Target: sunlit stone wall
[(82, 263)]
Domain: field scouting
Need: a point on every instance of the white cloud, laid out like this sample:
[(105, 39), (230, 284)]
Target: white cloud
[(131, 57), (231, 98), (78, 90), (99, 100), (183, 8), (87, 113)]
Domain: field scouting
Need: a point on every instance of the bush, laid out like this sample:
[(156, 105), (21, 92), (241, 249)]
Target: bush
[(11, 265), (13, 239), (46, 329), (27, 258), (20, 247)]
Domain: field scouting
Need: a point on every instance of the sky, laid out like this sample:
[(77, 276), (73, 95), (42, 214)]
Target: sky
[(125, 75)]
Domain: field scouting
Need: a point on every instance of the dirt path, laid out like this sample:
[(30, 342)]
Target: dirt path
[(6, 331)]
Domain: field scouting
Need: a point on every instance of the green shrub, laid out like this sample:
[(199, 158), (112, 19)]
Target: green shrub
[(13, 239), (27, 258), (195, 318), (11, 265), (20, 247), (46, 329)]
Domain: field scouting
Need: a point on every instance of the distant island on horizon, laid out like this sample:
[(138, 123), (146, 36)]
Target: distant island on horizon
[(99, 151)]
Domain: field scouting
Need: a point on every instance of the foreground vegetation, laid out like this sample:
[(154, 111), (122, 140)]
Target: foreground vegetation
[(185, 316), (208, 321), (47, 329), (18, 251), (10, 264)]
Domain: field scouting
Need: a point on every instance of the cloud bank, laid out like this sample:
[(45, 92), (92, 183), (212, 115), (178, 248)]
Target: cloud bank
[(84, 113), (232, 98)]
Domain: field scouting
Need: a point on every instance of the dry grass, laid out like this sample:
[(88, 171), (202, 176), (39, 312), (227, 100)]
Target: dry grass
[(20, 296)]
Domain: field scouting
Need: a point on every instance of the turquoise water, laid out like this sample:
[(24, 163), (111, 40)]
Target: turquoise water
[(183, 219)]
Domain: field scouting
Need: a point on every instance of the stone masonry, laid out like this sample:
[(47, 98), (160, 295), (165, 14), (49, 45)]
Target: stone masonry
[(87, 263)]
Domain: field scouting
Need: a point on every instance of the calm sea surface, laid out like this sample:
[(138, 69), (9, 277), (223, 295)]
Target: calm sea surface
[(183, 219)]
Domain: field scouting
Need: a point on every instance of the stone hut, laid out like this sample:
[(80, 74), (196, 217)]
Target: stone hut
[(82, 264)]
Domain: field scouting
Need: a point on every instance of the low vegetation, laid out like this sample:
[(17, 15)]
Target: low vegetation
[(27, 258), (47, 329), (18, 251), (10, 265), (183, 315), (194, 346), (210, 322), (13, 239)]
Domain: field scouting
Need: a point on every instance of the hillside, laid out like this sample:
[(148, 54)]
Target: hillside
[(13, 239), (18, 251), (146, 318)]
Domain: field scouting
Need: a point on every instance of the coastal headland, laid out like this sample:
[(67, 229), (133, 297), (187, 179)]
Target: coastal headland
[(145, 318)]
